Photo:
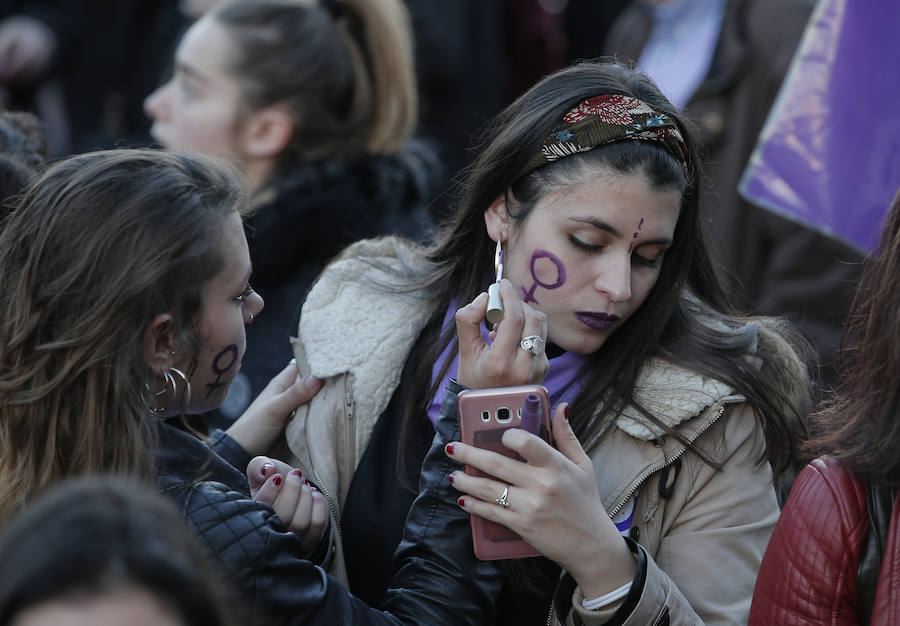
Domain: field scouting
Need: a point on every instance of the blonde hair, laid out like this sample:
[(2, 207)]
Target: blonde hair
[(345, 71), (99, 245)]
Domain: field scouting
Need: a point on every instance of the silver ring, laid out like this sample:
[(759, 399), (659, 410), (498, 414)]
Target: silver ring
[(533, 344), (251, 319), (502, 501)]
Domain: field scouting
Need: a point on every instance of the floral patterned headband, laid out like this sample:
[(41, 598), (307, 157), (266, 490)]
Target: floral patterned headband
[(605, 119)]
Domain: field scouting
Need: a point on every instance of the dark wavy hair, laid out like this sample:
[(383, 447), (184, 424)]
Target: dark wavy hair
[(94, 536), (686, 318), (860, 425), (99, 245)]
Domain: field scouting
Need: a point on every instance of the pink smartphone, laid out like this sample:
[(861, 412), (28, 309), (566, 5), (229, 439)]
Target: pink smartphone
[(484, 415)]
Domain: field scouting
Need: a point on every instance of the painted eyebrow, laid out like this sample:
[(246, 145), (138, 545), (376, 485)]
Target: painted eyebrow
[(590, 221)]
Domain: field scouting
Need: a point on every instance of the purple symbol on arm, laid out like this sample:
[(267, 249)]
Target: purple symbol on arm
[(634, 236), (219, 369), (560, 274)]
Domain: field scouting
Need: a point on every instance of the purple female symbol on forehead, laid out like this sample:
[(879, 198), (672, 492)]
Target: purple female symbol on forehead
[(536, 256)]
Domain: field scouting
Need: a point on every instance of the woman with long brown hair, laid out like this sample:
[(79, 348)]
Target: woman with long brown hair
[(126, 293), (588, 193)]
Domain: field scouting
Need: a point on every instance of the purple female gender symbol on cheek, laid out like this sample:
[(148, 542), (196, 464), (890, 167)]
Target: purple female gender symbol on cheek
[(219, 369), (560, 274)]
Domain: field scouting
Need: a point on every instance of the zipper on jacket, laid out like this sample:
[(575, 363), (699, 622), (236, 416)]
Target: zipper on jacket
[(350, 447), (646, 474), (350, 426), (320, 485)]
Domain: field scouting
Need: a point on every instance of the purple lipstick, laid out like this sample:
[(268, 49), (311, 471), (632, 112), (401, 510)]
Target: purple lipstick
[(597, 321)]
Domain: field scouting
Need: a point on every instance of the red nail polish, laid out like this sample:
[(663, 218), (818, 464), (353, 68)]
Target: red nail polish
[(461, 502), (304, 481), (566, 412), (449, 449), (450, 478), (266, 469), (296, 472), (276, 480)]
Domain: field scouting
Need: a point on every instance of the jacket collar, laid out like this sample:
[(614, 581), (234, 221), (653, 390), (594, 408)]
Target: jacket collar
[(672, 394), (377, 327)]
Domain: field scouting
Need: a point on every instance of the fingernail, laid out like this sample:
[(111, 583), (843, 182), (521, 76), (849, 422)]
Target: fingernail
[(304, 481), (266, 469), (276, 480), (312, 382), (297, 472), (566, 412), (450, 478), (449, 449), (461, 502)]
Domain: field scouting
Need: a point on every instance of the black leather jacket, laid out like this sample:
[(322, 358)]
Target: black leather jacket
[(438, 579)]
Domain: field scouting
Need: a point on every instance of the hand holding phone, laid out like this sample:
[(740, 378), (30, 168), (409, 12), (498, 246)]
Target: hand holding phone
[(484, 415)]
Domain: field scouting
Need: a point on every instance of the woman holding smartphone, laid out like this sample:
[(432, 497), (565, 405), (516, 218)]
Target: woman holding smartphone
[(588, 194)]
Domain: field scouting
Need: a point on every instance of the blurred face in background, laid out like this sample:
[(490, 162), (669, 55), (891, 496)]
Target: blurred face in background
[(132, 606), (200, 107)]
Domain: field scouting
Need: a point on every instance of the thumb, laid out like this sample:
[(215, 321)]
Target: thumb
[(565, 439), (468, 327), (258, 471), (300, 392)]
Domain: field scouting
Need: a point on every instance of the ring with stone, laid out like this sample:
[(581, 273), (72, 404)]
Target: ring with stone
[(533, 344), (502, 501)]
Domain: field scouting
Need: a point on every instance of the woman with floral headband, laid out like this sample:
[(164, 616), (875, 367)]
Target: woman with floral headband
[(588, 188)]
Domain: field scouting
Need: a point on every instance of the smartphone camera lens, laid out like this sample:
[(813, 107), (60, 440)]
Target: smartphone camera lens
[(503, 415)]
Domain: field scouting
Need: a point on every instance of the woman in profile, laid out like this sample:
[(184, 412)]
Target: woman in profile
[(317, 103), (126, 293)]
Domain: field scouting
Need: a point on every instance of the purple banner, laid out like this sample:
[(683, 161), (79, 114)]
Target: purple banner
[(829, 154)]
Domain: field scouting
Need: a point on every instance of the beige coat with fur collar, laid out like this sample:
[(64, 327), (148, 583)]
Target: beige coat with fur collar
[(704, 542)]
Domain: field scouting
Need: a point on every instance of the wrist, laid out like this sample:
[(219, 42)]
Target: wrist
[(616, 596), (610, 571)]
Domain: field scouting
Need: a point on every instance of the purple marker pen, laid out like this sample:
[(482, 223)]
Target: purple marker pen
[(531, 414)]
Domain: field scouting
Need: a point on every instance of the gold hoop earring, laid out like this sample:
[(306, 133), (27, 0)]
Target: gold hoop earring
[(186, 396)]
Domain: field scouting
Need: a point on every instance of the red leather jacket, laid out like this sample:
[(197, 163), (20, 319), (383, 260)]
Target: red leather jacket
[(808, 574)]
